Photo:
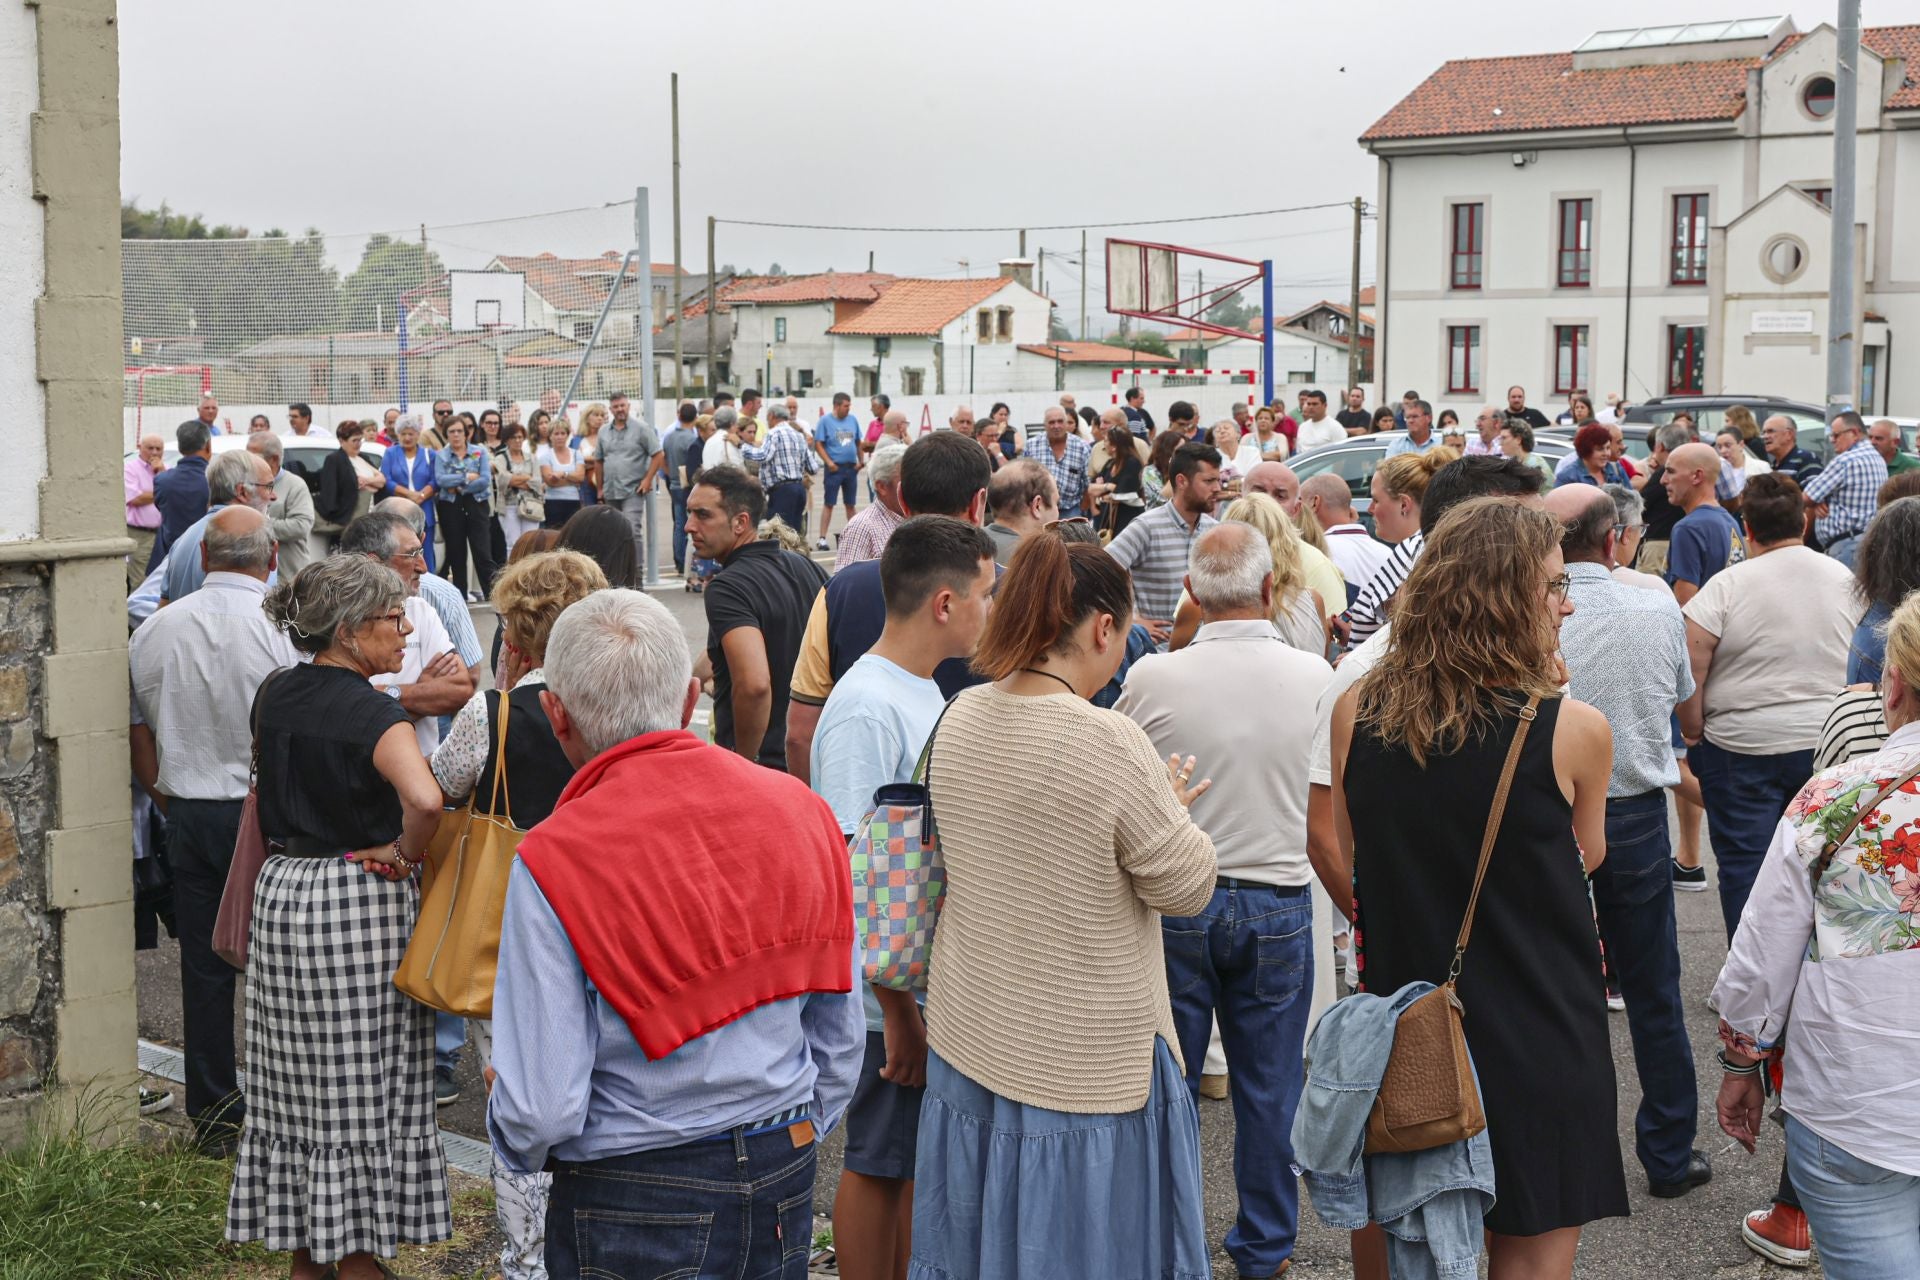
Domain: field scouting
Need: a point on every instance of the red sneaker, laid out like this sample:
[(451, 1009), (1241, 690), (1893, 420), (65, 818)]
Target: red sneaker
[(1779, 1234)]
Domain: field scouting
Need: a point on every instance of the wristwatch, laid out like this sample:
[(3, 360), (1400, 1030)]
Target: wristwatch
[(393, 691)]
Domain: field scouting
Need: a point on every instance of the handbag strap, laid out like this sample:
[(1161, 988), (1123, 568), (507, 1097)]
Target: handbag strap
[(1833, 846), (923, 771), (1498, 811), (500, 764)]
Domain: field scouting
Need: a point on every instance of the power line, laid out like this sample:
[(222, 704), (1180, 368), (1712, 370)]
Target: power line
[(1061, 226)]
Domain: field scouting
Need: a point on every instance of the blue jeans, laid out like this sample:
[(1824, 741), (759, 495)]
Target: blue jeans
[(449, 1037), (1844, 549), (679, 497), (788, 500), (1633, 895), (1865, 1219), (1745, 797), (735, 1207), (1249, 958)]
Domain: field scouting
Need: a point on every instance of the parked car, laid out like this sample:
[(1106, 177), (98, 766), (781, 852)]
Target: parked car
[(1355, 458), (1710, 412)]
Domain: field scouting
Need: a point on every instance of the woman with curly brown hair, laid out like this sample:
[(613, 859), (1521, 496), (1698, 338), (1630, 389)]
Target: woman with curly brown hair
[(1418, 749)]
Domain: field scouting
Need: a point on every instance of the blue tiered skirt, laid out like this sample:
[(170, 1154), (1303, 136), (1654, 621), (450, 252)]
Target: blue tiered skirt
[(1004, 1190)]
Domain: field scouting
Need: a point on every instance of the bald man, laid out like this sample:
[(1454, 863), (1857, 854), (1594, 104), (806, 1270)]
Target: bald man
[(1706, 539), (143, 518), (1277, 481), (1354, 551)]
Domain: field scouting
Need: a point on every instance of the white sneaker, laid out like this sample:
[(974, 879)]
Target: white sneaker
[(154, 1101)]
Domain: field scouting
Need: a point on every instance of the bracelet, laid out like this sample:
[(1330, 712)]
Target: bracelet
[(1751, 1069), (411, 864)]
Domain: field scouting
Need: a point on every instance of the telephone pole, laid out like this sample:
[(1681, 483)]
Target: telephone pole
[(1083, 286), (1353, 300), (677, 366), (713, 302), (1840, 300)]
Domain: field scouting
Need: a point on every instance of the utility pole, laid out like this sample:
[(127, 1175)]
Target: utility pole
[(643, 246), (713, 302), (1840, 299), (1353, 300), (1023, 242), (869, 262), (1042, 279), (648, 296), (1083, 285)]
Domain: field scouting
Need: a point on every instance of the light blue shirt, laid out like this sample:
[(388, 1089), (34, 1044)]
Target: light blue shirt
[(870, 734), (183, 574), (573, 1084), (1626, 654), (451, 608), (1405, 444), (840, 437)]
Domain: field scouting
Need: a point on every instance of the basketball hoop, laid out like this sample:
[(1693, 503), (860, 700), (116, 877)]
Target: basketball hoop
[(1143, 281)]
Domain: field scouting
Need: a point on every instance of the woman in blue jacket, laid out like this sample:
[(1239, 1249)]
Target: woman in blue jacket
[(463, 483), (409, 468)]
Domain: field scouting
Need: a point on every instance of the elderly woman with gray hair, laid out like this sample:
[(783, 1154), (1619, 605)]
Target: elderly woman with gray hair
[(408, 467), (338, 1162)]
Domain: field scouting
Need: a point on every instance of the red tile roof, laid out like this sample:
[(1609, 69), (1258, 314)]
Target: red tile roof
[(828, 286), (1205, 335), (920, 306), (1097, 353), (1543, 91), (574, 284), (1338, 308)]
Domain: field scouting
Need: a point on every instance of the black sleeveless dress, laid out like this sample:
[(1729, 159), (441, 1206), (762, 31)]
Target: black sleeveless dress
[(1531, 983)]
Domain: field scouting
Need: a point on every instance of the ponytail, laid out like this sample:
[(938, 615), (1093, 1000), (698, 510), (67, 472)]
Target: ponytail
[(1050, 588)]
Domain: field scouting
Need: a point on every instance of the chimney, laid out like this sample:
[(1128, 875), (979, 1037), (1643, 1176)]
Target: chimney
[(1017, 269)]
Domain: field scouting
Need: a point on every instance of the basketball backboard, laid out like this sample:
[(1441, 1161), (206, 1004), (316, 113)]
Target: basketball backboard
[(1141, 277), (481, 300)]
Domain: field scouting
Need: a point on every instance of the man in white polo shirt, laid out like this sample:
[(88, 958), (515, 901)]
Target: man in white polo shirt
[(1250, 956)]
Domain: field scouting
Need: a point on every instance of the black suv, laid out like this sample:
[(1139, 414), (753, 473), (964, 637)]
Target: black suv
[(1709, 413)]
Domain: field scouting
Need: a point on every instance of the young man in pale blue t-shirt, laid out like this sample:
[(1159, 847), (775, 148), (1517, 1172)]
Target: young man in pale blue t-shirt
[(937, 578)]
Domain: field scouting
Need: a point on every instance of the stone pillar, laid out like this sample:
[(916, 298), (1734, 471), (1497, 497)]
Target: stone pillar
[(66, 938)]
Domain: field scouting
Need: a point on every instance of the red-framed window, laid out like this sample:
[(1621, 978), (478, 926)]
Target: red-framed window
[(1572, 359), (1463, 359), (1686, 359), (1689, 240), (1469, 245), (1575, 266), (1822, 194)]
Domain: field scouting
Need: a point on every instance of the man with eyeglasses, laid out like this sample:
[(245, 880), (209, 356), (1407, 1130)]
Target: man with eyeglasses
[(245, 479), (432, 681), (1844, 496), (1626, 653), (1782, 442)]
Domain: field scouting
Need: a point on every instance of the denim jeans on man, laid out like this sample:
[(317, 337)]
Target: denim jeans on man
[(449, 1038), (1633, 896), (679, 497), (1745, 797), (1865, 1219), (200, 836), (788, 500), (732, 1206), (1249, 958)]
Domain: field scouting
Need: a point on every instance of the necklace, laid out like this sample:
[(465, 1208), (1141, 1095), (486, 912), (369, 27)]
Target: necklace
[(1035, 671)]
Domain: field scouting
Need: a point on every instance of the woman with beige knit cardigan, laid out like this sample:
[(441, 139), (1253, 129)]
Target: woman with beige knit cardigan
[(1057, 1134)]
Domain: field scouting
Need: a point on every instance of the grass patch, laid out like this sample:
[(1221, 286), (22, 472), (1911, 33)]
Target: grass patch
[(70, 1208)]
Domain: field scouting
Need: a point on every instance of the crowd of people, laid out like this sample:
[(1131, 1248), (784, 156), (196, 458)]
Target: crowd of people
[(1325, 751)]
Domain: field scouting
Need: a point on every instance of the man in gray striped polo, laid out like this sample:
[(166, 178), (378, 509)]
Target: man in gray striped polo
[(1154, 547)]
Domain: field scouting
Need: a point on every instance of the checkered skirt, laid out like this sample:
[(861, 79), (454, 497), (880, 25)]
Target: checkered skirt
[(339, 1154)]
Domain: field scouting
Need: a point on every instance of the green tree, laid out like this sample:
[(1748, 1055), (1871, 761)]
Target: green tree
[(369, 299), (1149, 340), (1057, 330), (164, 224), (1232, 311)]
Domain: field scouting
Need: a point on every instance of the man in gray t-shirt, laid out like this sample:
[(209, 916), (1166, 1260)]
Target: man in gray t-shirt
[(630, 458)]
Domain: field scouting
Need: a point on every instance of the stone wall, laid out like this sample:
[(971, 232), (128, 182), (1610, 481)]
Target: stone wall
[(28, 981)]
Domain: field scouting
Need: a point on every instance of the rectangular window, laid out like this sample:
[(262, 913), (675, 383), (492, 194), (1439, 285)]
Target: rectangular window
[(1003, 328), (1686, 359), (1469, 245), (805, 379), (1689, 240), (582, 330), (779, 328), (1575, 269), (983, 330), (1463, 359), (1824, 195), (1572, 359), (913, 382)]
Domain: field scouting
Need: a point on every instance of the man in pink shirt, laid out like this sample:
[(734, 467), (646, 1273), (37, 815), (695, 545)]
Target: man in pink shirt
[(143, 518)]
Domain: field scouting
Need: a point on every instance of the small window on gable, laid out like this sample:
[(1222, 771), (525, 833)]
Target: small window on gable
[(779, 328), (984, 325), (1003, 325)]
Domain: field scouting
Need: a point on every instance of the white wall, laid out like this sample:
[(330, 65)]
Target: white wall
[(807, 345), (23, 427)]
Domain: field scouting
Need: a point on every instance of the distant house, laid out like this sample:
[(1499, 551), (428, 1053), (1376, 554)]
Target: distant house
[(565, 295), (348, 368), (1334, 322), (869, 332), (1079, 366)]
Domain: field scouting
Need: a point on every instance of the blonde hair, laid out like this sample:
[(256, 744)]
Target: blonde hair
[(1269, 520), (1903, 642), (531, 593), (1405, 475), (1740, 418), (1311, 531), (1469, 620), (592, 418)]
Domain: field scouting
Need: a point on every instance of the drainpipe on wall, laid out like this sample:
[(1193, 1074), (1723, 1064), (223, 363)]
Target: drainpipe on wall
[(1383, 275), (1626, 335)]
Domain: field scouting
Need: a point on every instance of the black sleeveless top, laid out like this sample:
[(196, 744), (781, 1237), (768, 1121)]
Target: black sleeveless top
[(1531, 981), (537, 769)]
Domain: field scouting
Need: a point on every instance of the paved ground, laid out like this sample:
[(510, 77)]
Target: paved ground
[(1694, 1236)]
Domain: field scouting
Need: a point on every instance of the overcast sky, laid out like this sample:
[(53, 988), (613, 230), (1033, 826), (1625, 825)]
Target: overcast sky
[(353, 116)]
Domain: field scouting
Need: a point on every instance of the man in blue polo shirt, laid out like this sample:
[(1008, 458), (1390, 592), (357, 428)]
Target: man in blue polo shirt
[(180, 492), (836, 438), (1706, 539)]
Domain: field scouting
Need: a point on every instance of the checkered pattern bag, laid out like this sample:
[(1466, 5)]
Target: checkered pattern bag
[(899, 881)]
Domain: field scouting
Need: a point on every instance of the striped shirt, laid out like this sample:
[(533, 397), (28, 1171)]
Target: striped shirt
[(1154, 548), (1856, 726), (1069, 471), (1369, 612), (785, 456), (1850, 486)]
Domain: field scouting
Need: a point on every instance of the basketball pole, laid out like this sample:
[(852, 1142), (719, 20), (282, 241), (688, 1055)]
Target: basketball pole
[(647, 297), (643, 249), (1266, 331)]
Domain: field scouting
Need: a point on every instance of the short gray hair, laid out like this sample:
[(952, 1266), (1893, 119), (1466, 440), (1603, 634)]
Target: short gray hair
[(777, 413), (407, 509), (724, 417), (885, 467), (408, 421), (1628, 505), (226, 473), (266, 444), (339, 591), (619, 664), (1672, 436), (1227, 565), (238, 552)]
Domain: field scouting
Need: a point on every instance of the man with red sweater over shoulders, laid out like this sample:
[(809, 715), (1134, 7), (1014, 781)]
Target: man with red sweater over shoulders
[(670, 1035)]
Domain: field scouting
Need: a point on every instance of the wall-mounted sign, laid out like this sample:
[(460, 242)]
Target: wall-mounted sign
[(1781, 322)]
